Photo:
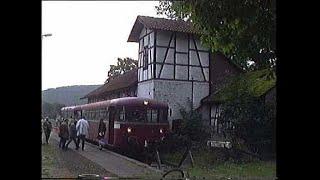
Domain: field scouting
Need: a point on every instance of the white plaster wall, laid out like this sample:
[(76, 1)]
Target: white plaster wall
[(158, 67), (175, 93), (145, 74), (163, 38), (178, 94), (193, 58), (204, 58), (143, 32), (149, 71), (196, 74), (182, 42), (182, 59), (151, 39), (191, 43), (146, 41), (200, 90), (140, 45), (145, 89), (170, 56), (167, 71), (151, 55), (206, 73), (182, 72), (160, 54)]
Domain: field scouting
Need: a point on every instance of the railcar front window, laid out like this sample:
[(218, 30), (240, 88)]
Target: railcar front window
[(122, 114), (154, 115), (135, 115), (163, 115)]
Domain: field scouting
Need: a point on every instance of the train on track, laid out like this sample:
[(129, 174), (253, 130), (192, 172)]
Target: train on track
[(130, 121)]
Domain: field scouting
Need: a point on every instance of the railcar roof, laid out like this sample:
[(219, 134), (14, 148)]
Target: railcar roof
[(125, 101)]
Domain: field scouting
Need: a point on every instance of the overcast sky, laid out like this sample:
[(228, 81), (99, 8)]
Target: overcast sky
[(86, 38)]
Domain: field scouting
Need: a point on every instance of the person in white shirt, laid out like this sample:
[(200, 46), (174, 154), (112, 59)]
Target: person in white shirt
[(82, 131)]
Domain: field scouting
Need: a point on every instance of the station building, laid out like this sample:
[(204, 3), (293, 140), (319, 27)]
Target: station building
[(173, 67)]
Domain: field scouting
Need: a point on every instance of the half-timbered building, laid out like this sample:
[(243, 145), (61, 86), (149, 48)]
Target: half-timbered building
[(173, 67)]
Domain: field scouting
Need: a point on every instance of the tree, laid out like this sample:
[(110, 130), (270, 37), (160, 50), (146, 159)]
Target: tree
[(243, 30), (123, 65), (51, 110)]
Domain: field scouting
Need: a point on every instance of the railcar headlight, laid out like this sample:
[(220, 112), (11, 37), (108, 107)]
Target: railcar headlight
[(129, 130), (161, 131), (145, 103)]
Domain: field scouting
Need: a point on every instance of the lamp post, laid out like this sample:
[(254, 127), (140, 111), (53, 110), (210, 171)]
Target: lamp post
[(46, 35)]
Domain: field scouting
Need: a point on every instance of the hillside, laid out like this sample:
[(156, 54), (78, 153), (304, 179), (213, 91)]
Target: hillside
[(68, 95)]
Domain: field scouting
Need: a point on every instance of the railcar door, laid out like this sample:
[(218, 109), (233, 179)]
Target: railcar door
[(112, 116)]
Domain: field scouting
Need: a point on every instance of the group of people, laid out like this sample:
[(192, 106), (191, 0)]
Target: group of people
[(75, 131)]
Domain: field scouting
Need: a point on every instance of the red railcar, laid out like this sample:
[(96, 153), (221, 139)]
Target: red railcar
[(129, 120)]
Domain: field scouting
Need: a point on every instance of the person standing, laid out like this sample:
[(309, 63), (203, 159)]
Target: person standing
[(82, 131), (101, 132), (47, 127), (72, 134), (63, 134)]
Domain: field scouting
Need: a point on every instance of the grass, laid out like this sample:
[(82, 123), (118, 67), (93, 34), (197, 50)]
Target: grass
[(208, 166), (48, 156), (255, 170)]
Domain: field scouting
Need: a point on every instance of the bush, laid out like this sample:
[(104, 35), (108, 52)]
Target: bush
[(253, 124), (191, 133)]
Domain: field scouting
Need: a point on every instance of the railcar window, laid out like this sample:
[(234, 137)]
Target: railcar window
[(122, 114), (154, 117), (94, 114), (163, 115), (88, 115), (136, 115), (106, 115), (101, 114), (149, 115)]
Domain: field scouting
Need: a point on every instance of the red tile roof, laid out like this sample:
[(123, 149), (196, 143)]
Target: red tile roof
[(122, 81), (160, 24)]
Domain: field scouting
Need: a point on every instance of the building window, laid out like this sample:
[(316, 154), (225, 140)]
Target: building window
[(145, 58)]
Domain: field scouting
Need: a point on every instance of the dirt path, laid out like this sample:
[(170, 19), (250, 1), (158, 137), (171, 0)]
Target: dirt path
[(57, 163)]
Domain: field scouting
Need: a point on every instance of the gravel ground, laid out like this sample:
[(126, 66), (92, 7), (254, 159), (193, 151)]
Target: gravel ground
[(68, 163)]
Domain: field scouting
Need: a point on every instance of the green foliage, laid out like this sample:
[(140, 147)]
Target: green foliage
[(253, 123), (243, 30), (51, 110), (191, 132), (192, 128), (254, 83), (123, 65)]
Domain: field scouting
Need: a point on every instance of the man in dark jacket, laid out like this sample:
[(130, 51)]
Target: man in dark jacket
[(101, 132), (72, 134), (47, 129), (63, 134)]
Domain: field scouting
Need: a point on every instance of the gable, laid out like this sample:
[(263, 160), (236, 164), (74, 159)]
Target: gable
[(221, 68)]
